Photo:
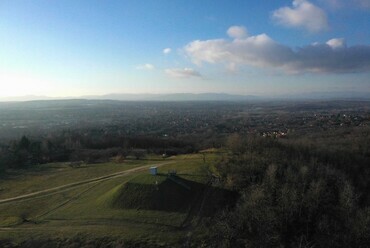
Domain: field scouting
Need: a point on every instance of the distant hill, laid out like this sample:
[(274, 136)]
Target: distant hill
[(175, 97), (145, 97), (347, 95)]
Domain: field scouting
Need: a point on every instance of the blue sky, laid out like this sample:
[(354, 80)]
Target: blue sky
[(74, 47)]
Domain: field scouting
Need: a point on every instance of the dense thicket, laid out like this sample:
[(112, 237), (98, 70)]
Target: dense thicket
[(292, 196)]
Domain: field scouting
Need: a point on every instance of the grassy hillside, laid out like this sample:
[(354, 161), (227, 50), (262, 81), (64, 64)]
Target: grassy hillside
[(135, 208), (18, 182)]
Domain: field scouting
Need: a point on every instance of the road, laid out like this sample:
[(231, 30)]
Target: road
[(79, 183)]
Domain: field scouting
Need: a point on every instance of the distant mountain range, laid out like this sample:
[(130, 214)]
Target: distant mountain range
[(348, 95), (175, 97), (144, 97)]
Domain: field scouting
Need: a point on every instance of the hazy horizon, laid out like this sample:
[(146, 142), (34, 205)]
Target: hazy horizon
[(206, 96)]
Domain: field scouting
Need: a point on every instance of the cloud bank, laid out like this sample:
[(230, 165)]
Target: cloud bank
[(261, 51), (182, 73), (303, 14)]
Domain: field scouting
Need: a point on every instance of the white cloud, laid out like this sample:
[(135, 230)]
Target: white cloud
[(262, 51), (182, 72), (145, 67), (336, 43), (167, 50), (303, 14), (258, 50), (237, 32)]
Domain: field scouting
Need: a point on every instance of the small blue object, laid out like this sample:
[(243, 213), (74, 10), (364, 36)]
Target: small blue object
[(153, 170)]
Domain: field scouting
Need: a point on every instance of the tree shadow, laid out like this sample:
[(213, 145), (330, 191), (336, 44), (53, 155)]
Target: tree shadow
[(174, 194)]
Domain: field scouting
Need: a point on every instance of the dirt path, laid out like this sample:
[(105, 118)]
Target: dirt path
[(84, 182)]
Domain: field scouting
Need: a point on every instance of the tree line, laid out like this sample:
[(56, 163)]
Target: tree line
[(88, 146)]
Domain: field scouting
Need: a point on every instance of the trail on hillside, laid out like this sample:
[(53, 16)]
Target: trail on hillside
[(79, 183)]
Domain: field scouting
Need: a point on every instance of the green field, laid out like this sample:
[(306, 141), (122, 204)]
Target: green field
[(114, 202)]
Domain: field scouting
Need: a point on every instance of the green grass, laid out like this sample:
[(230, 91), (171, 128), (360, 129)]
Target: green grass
[(53, 175), (31, 209), (136, 208)]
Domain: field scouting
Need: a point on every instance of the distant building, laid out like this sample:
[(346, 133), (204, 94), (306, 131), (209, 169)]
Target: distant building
[(153, 170)]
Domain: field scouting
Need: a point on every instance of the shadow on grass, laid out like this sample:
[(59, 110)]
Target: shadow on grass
[(174, 194)]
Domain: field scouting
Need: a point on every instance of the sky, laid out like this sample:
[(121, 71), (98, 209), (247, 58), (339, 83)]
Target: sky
[(79, 47)]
